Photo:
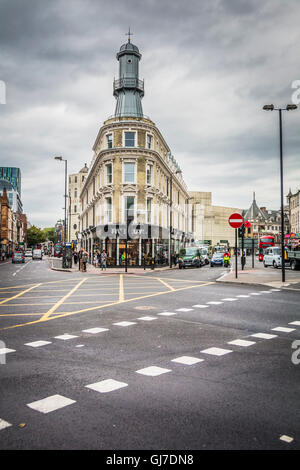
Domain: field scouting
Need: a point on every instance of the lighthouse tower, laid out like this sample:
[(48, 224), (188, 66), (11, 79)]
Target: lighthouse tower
[(128, 89)]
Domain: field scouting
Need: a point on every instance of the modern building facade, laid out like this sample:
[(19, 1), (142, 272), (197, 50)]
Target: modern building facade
[(134, 199), (76, 183), (209, 223), (10, 179)]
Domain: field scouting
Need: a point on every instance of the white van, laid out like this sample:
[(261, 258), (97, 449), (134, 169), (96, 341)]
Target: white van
[(272, 257), (37, 254)]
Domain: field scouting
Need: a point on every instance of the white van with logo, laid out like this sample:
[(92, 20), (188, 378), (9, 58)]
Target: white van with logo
[(272, 257)]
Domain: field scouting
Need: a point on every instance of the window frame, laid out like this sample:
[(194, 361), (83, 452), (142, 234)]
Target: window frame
[(132, 162), (107, 140), (124, 138), (106, 173)]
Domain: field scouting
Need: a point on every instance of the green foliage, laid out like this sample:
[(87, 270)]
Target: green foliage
[(50, 234), (34, 236)]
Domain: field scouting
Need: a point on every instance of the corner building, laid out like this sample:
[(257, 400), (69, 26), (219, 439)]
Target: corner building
[(134, 195)]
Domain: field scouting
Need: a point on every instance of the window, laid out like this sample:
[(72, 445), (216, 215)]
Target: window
[(129, 139), (109, 173), (129, 172), (74, 226), (75, 179), (149, 210), (75, 209), (75, 192), (82, 179), (129, 207), (149, 174), (108, 210), (149, 141), (109, 141)]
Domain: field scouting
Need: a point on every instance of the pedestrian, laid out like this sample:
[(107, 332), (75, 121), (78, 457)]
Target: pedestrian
[(103, 260), (75, 257), (79, 259), (84, 258)]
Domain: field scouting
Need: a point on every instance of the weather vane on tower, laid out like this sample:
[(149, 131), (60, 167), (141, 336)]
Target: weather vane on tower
[(129, 34)]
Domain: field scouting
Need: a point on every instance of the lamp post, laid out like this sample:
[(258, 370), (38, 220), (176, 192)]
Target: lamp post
[(289, 107), (171, 212), (61, 159)]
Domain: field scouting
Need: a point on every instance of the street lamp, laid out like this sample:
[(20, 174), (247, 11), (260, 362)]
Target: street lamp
[(289, 107), (61, 159), (171, 212)]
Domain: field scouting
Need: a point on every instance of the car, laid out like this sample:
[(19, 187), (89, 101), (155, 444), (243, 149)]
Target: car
[(18, 257), (28, 253), (37, 254), (217, 259), (190, 257), (272, 257), (204, 253)]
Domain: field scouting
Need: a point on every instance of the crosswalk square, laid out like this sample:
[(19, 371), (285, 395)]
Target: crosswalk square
[(125, 323), (216, 351), (4, 424), (153, 371), (37, 344), (188, 360), (93, 331), (65, 337), (242, 342), (49, 404), (108, 385)]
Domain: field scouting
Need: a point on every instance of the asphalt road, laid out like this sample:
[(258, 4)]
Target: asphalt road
[(81, 389)]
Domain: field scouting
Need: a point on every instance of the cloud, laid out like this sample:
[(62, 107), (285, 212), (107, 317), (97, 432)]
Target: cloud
[(209, 67)]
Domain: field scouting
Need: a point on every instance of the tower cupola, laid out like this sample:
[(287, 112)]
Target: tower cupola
[(128, 88)]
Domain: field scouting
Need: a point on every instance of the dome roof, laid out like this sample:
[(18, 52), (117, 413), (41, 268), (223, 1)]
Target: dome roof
[(129, 47), (84, 169)]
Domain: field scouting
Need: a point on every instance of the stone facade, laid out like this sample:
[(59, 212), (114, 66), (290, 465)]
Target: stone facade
[(294, 211), (76, 182)]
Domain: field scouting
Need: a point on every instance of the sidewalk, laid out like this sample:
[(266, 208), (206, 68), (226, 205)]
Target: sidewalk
[(56, 265), (262, 276)]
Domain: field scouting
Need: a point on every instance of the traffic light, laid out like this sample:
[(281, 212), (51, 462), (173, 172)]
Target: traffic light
[(241, 231)]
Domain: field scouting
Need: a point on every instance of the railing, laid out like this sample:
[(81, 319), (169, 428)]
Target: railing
[(129, 83)]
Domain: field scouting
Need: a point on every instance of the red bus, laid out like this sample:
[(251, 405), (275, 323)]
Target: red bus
[(265, 242)]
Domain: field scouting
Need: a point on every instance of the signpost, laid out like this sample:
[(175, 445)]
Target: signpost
[(236, 221)]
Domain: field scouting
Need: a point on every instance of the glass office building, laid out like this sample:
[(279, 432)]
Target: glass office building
[(13, 176)]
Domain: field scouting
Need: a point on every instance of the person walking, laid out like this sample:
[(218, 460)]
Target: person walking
[(103, 260), (79, 258), (75, 257)]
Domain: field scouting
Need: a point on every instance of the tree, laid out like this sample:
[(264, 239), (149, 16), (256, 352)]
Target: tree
[(50, 234), (34, 236)]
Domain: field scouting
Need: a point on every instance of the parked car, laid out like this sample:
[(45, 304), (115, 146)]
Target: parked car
[(18, 257), (272, 257), (217, 259), (28, 253), (190, 257), (37, 254)]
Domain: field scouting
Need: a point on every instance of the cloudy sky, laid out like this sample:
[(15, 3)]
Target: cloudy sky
[(209, 67)]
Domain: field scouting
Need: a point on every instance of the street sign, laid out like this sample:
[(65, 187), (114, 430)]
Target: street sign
[(247, 223), (235, 220)]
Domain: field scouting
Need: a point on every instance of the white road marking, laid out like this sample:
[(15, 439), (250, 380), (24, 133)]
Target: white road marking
[(93, 331), (4, 424), (184, 309), (200, 306), (167, 314), (243, 296), (125, 323), (147, 318), (214, 303), (6, 350), (216, 351), (79, 346), (188, 360), (263, 336), (283, 329), (255, 293), (153, 371), (37, 344), (49, 404), (65, 337), (287, 439), (229, 299), (295, 323), (275, 290), (242, 342), (107, 385)]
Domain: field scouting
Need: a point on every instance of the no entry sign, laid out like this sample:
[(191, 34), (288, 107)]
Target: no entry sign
[(236, 220)]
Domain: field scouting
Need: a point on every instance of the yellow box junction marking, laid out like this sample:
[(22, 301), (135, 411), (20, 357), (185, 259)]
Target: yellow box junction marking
[(19, 294), (61, 301)]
